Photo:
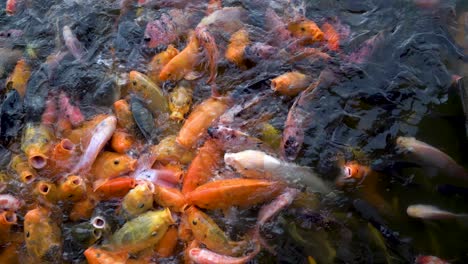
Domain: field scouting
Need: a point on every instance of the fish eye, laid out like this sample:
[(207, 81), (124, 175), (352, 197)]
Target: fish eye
[(302, 29), (141, 205), (27, 234), (154, 233), (134, 83), (8, 34), (194, 222), (116, 162)]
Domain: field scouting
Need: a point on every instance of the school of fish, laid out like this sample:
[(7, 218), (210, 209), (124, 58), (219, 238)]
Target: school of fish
[(153, 176)]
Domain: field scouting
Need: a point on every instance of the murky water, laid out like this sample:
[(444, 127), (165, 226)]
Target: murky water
[(392, 76)]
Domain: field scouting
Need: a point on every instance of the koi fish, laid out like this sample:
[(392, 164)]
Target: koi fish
[(291, 83), (138, 200), (11, 6), (183, 64), (85, 234), (115, 188), (18, 80), (110, 165), (146, 89), (71, 112), (159, 61), (169, 197), (180, 100), (36, 144), (331, 36), (73, 188), (122, 142), (167, 29), (63, 155), (21, 166), (427, 155), (204, 256), (257, 164), (100, 136), (207, 232), (223, 194), (124, 115), (166, 246), (199, 120), (100, 256), (169, 150), (202, 168), (306, 31), (142, 232), (236, 48), (429, 260), (9, 203), (42, 234), (430, 212), (73, 44)]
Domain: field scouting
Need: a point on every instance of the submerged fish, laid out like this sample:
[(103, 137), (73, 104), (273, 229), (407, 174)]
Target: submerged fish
[(429, 156), (73, 44), (257, 164), (431, 212)]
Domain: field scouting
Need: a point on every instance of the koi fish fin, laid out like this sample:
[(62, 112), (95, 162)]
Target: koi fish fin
[(193, 75)]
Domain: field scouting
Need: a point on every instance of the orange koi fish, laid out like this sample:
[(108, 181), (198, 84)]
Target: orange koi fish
[(73, 188), (169, 197), (19, 78), (124, 115), (331, 36), (47, 191), (63, 155), (199, 120), (291, 83), (183, 64), (201, 169), (82, 210), (122, 142), (110, 165), (244, 193), (42, 234), (115, 188), (306, 31), (159, 61), (236, 48), (100, 256), (166, 246)]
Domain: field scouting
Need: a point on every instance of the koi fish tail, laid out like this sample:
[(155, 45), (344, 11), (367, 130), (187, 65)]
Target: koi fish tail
[(208, 43)]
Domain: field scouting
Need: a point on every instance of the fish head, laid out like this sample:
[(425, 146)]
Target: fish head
[(160, 32), (306, 29), (123, 164), (405, 144)]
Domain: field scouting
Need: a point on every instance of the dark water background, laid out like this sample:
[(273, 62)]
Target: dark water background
[(404, 88)]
